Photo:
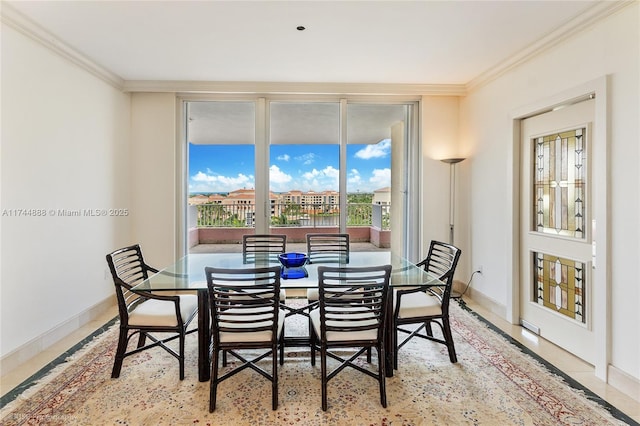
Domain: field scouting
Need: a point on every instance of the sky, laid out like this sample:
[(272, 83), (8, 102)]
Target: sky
[(224, 168)]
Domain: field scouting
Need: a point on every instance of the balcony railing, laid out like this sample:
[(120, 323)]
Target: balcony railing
[(293, 215)]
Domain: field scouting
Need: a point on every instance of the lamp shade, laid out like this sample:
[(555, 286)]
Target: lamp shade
[(452, 160)]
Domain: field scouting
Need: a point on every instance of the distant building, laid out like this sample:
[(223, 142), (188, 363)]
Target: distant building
[(382, 196), (216, 199), (198, 199), (241, 202)]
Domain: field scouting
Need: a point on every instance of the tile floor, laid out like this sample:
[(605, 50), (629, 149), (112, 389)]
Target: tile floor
[(572, 366)]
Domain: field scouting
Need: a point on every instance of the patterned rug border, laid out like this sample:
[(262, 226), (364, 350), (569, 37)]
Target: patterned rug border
[(573, 383), (48, 370)]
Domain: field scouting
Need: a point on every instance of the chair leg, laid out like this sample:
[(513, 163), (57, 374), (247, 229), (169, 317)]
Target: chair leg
[(448, 337), (311, 340), (428, 329), (122, 347), (181, 359), (142, 339), (274, 379), (323, 373), (394, 336), (281, 345), (214, 381), (312, 344), (382, 376)]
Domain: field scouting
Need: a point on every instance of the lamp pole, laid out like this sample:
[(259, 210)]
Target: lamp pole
[(452, 193)]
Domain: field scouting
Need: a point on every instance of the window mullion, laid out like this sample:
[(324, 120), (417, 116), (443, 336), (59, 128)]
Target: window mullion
[(342, 182), (262, 207)]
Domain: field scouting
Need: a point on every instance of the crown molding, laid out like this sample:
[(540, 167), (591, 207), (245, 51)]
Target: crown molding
[(14, 19), (249, 87), (599, 11)]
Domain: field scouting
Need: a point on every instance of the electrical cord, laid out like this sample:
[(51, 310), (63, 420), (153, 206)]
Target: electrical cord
[(469, 283)]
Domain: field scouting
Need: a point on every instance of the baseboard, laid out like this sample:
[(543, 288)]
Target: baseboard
[(625, 383), (482, 300), (24, 353)]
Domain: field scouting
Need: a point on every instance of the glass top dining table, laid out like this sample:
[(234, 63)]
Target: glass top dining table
[(187, 275)]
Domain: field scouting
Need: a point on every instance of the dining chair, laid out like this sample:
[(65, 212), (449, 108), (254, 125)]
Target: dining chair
[(262, 246), (143, 312), (325, 248), (351, 314), (245, 314), (427, 305)]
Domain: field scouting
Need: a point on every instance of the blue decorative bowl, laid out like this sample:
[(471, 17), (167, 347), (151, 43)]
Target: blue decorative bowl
[(293, 260), (293, 265)]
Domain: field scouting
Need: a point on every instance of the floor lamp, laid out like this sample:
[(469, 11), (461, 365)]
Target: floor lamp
[(452, 193), (452, 203)]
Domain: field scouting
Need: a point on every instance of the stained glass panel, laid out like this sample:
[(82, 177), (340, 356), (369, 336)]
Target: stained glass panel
[(559, 285), (560, 183)]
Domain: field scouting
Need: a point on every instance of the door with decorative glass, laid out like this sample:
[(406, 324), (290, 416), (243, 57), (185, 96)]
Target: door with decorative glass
[(556, 228)]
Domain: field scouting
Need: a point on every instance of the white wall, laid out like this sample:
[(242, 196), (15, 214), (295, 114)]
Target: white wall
[(440, 140), (65, 145), (611, 47), (154, 175)]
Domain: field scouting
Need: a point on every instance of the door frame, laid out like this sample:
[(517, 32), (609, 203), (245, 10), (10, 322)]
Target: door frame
[(600, 172)]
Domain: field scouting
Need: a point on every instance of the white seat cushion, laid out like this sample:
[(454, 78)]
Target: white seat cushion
[(341, 336), (313, 294), (254, 336), (283, 294), (155, 312), (418, 304)]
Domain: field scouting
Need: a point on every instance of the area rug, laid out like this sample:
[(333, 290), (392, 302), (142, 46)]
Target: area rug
[(495, 382)]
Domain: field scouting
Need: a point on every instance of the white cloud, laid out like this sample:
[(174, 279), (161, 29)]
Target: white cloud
[(279, 180), (208, 182), (320, 180), (310, 175), (331, 171), (203, 177), (354, 179), (278, 176), (380, 178), (379, 150), (306, 158), (284, 157)]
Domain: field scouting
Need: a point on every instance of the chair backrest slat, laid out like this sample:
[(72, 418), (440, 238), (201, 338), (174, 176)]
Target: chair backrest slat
[(128, 269), (262, 247), (328, 248), (441, 261)]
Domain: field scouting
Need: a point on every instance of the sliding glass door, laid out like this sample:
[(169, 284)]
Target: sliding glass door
[(295, 166), (375, 163), (220, 169), (304, 166)]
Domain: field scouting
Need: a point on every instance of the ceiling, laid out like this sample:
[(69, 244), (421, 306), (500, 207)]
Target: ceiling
[(391, 42)]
